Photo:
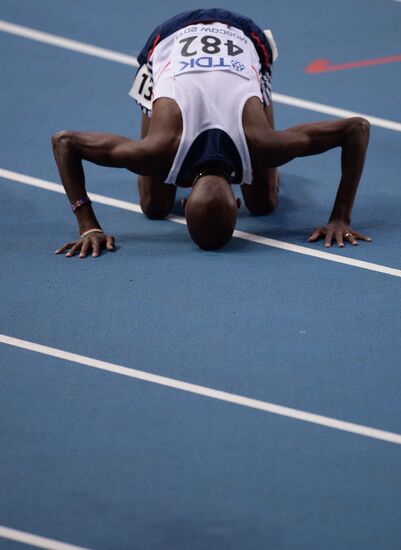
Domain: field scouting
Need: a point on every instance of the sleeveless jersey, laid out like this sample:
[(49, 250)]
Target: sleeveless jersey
[(210, 70)]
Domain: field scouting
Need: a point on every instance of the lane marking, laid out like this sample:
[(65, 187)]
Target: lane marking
[(81, 47), (325, 65), (58, 188), (67, 43), (219, 395), (317, 253), (35, 540), (258, 239), (335, 111)]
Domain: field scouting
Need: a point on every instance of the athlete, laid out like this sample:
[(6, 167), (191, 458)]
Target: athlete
[(204, 86)]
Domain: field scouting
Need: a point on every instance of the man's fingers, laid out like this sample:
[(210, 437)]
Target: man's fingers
[(339, 238), (339, 231), (351, 239), (64, 248), (95, 248), (361, 237), (74, 249), (329, 238), (317, 234), (110, 242), (85, 248)]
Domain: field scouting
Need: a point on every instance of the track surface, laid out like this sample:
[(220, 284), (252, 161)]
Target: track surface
[(102, 460)]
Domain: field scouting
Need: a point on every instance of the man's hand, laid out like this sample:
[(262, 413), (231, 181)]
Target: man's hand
[(93, 241), (338, 230)]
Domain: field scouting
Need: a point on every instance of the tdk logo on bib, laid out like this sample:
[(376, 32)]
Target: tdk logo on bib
[(205, 63), (211, 48)]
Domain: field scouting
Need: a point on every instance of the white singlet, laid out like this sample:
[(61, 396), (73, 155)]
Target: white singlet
[(210, 70)]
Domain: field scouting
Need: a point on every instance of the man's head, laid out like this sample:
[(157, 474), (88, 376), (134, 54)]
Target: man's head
[(211, 212)]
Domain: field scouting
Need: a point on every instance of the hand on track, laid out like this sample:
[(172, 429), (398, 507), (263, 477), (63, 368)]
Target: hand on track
[(337, 230), (94, 242)]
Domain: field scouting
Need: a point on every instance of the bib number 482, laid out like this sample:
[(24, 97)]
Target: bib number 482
[(210, 45)]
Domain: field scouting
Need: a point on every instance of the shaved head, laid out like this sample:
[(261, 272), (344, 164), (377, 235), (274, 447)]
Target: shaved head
[(211, 212)]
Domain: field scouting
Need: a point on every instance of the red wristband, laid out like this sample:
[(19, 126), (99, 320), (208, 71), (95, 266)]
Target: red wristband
[(80, 202)]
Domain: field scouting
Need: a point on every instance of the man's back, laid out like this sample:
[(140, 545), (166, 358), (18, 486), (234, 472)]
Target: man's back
[(210, 71)]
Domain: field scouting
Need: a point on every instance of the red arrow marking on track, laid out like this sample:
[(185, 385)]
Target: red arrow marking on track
[(324, 65)]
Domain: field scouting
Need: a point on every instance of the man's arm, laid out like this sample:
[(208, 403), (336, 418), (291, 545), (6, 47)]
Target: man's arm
[(352, 135), (70, 149)]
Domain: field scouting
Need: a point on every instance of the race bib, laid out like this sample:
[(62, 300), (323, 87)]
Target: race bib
[(211, 48), (142, 88)]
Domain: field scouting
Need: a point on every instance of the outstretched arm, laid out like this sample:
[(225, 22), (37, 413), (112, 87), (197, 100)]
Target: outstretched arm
[(352, 135), (70, 149)]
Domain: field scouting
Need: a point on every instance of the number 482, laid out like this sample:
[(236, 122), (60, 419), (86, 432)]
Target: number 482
[(211, 45)]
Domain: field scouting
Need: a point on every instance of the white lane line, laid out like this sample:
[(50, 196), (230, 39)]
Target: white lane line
[(66, 43), (132, 207), (258, 239), (318, 253), (57, 188), (335, 111), (35, 540), (204, 391)]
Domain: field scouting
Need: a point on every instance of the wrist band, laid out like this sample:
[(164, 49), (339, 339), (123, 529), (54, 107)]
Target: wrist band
[(80, 202), (94, 230)]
